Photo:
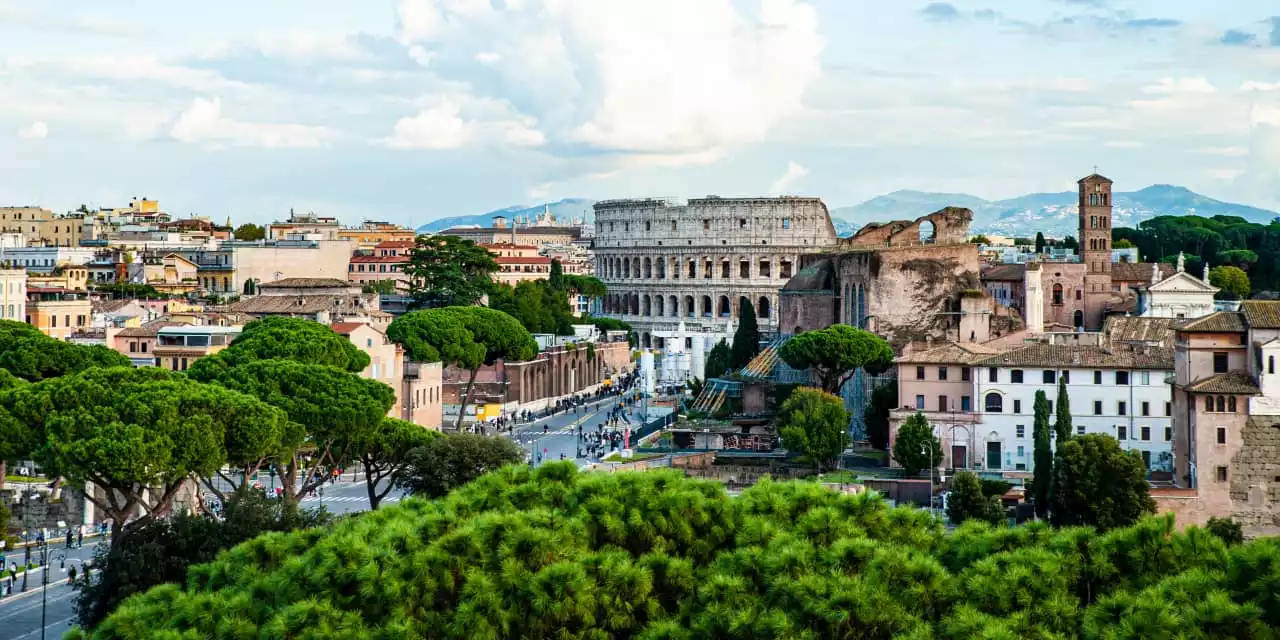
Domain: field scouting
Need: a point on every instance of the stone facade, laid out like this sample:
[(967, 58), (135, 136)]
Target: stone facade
[(556, 372), (698, 262)]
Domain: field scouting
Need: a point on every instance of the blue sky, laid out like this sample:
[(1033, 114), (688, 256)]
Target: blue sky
[(412, 110)]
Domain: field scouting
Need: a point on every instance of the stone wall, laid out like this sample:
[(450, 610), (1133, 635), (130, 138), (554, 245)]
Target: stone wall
[(555, 373), (1255, 477)]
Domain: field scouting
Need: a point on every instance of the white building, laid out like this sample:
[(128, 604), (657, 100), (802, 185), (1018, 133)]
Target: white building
[(44, 259), (13, 294), (1117, 391), (1180, 295)]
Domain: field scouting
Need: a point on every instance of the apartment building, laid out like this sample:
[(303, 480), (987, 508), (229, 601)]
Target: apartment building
[(417, 385), (177, 346), (58, 312)]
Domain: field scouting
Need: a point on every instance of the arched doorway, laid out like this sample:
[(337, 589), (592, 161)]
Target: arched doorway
[(706, 306), (928, 232), (688, 306), (762, 309), (673, 306), (722, 309), (1077, 319)]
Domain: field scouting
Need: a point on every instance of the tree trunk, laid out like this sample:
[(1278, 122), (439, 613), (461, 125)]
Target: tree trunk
[(466, 399), (4, 470)]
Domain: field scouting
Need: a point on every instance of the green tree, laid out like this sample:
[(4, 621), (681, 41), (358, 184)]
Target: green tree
[(1096, 483), (131, 430), (717, 361), (1040, 244), (128, 290), (340, 410), (1042, 483), (463, 337), (836, 352), (249, 232), (585, 285), (1242, 258), (1069, 242), (916, 448), (1233, 282), (1062, 407), (161, 551), (1227, 530), (446, 271), (1123, 243), (968, 502), (979, 239), (556, 278), (746, 339), (884, 398), (536, 305), (41, 358), (452, 460), (814, 423), (380, 287), (385, 455), (283, 338)]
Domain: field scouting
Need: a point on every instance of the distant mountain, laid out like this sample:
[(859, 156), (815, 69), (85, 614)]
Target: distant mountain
[(1052, 213), (565, 210)]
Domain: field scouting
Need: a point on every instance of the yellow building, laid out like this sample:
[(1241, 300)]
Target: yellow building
[(42, 227), (64, 276), (58, 312), (368, 235)]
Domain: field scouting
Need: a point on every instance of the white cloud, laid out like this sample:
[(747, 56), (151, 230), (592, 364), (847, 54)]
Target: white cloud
[(443, 126), (35, 131), (203, 122), (1226, 175), (795, 171), (297, 45), (420, 55), (1168, 86), (660, 78), (1123, 144), (123, 68), (1253, 85), (1226, 152)]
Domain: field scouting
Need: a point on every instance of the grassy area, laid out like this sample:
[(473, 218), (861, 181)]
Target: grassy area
[(616, 457), (13, 478)]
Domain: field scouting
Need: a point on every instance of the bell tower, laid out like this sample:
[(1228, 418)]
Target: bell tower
[(1095, 246)]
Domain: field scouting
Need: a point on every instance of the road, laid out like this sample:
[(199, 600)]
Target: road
[(20, 612), (557, 435)]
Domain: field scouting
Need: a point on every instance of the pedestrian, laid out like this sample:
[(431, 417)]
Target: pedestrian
[(80, 537), (69, 538), (71, 575)]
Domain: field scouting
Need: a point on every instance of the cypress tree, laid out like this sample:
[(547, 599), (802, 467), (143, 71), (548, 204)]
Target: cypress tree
[(746, 340), (1040, 242), (1043, 456), (1063, 409)]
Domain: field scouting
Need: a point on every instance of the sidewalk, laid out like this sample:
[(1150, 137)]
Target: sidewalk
[(58, 542)]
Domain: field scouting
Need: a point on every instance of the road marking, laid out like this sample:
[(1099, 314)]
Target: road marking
[(48, 626), (35, 604), (348, 499)]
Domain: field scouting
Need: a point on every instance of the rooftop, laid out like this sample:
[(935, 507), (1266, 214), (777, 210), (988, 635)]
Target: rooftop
[(950, 353), (1119, 329), (522, 260), (1217, 322), (147, 330), (1235, 382), (1005, 272), (305, 283), (1261, 314), (195, 329), (1069, 356)]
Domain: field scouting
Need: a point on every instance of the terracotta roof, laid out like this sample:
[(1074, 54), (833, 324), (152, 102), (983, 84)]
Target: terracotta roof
[(1005, 272), (1261, 314), (378, 259), (303, 305), (528, 260), (147, 330), (345, 328), (506, 245), (950, 353), (1093, 176), (1217, 322), (394, 244), (109, 306), (1234, 382), (1056, 355), (305, 283), (1140, 329), (1138, 271)]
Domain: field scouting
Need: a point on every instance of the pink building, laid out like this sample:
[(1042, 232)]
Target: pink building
[(416, 385), (386, 261)]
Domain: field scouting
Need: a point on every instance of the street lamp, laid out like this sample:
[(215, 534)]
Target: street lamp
[(922, 450), (61, 556)]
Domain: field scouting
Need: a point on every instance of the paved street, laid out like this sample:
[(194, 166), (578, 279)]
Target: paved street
[(20, 612), (561, 435)]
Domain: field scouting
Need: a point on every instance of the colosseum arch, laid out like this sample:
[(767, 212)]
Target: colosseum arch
[(762, 309), (688, 306), (742, 304), (706, 307), (673, 305), (657, 306), (660, 268), (646, 308), (648, 268), (635, 304), (722, 307), (693, 269), (626, 268), (635, 267)]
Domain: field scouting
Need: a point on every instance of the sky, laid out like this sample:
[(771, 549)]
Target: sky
[(412, 110)]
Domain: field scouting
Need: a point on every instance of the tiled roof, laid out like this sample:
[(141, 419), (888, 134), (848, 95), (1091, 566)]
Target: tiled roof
[(109, 306), (345, 328), (302, 305), (1138, 271), (305, 283), (147, 330), (1218, 322), (1005, 272), (528, 260), (1261, 314), (1140, 329), (1234, 382), (950, 353), (1062, 356), (379, 259)]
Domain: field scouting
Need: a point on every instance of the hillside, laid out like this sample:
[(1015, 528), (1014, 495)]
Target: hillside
[(565, 209), (1052, 213)]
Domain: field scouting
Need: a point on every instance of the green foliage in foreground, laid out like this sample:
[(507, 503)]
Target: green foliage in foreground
[(552, 552)]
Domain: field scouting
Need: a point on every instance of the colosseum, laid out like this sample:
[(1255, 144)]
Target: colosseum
[(666, 262)]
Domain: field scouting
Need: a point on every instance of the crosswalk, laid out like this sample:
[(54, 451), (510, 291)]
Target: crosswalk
[(347, 499)]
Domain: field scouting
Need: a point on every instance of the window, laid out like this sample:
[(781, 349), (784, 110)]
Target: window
[(706, 224), (1097, 377), (1222, 435), (1168, 434), (1208, 403), (920, 403), (1057, 294), (786, 223), (1079, 429), (1066, 377), (994, 403), (1231, 404), (1145, 377), (1050, 406), (993, 374), (964, 374), (1219, 361), (764, 268), (1122, 433), (942, 373), (1017, 406), (942, 403), (1020, 431), (742, 223), (1021, 452), (1122, 408), (1146, 408), (1146, 459), (133, 347), (1015, 376), (1168, 409), (1146, 434), (1078, 294), (673, 225), (1050, 377), (1271, 364), (1222, 474), (646, 225), (1122, 377), (1097, 407), (1221, 404), (919, 373)]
